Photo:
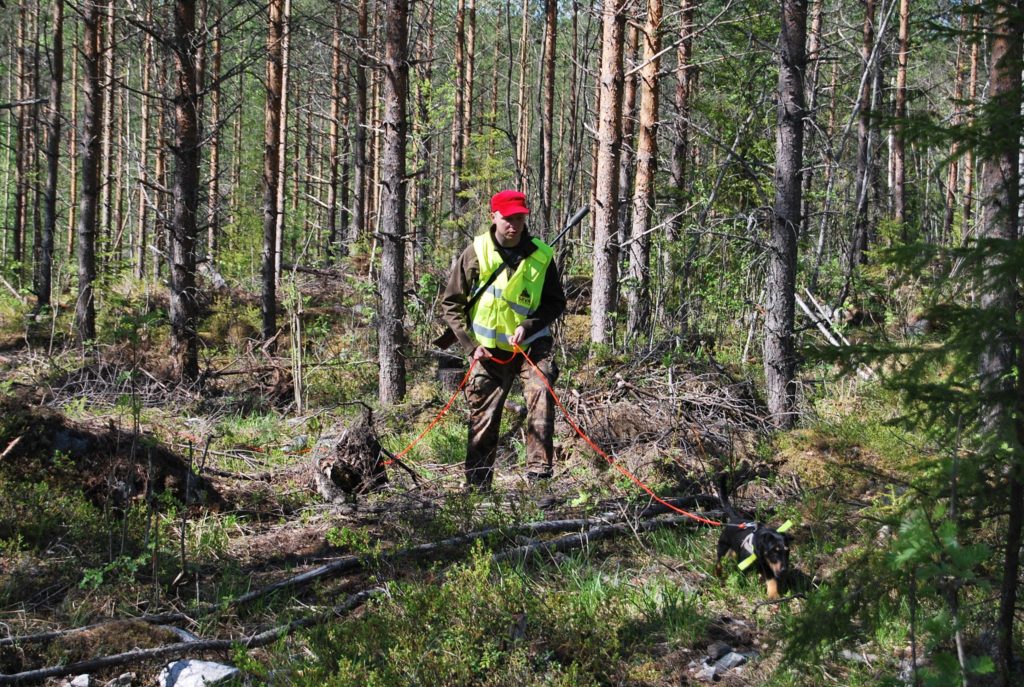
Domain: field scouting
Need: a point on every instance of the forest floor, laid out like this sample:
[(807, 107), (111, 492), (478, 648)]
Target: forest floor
[(146, 522)]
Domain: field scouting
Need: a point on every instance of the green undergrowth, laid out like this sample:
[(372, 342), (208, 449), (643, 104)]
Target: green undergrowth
[(568, 622)]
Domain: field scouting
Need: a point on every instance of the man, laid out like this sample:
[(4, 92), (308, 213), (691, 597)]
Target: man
[(517, 308)]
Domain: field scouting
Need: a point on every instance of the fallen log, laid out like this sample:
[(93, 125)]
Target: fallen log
[(250, 642), (521, 554)]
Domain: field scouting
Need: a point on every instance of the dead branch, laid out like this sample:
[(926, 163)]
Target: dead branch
[(312, 270), (10, 447), (780, 600), (579, 540), (396, 461), (24, 103), (250, 642)]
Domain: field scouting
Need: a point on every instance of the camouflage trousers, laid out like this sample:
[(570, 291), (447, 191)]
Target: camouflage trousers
[(486, 391)]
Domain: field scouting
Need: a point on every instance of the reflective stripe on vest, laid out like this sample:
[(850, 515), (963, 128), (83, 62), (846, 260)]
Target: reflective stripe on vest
[(508, 301)]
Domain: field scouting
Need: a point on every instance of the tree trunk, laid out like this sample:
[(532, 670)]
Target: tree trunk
[(45, 265), (898, 151), (425, 139), (459, 111), (213, 183), (73, 152), (609, 135), (548, 117), (282, 143), (523, 121), (271, 165), (359, 167), (1000, 188), (814, 49), (160, 175), (681, 140), (184, 309), (34, 147), (469, 77), (779, 355), (373, 163), (570, 161), (953, 171), (638, 295), (120, 131), (860, 229), (236, 162), (142, 228), (332, 135), (972, 96), (106, 233), (21, 149), (344, 194), (627, 153), (392, 274), (92, 122)]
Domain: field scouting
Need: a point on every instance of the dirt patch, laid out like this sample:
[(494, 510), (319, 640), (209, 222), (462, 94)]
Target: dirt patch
[(285, 543), (115, 637), (110, 465), (111, 638)]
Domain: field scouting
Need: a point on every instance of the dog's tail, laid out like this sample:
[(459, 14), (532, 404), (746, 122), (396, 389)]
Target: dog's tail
[(721, 482)]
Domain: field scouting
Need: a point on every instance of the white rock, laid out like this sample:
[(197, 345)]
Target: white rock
[(729, 661), (190, 673), (706, 673), (80, 681)]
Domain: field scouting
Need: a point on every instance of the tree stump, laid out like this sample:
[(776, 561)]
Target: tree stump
[(348, 461), (450, 370)]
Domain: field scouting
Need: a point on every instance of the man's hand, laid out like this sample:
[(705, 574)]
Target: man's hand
[(481, 352), (517, 336)]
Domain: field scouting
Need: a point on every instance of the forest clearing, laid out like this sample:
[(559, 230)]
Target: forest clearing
[(751, 270)]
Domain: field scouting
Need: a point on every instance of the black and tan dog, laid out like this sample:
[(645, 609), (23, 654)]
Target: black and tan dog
[(747, 537)]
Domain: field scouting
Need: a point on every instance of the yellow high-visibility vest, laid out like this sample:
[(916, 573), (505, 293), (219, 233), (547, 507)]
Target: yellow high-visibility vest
[(508, 301)]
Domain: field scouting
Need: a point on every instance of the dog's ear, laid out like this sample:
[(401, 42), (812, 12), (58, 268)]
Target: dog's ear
[(788, 538)]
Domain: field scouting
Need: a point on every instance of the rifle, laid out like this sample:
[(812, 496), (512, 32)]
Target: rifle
[(448, 337)]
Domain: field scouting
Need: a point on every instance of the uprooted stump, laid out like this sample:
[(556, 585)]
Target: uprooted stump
[(348, 461)]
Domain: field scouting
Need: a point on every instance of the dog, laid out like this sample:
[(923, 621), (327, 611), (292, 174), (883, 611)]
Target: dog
[(745, 537)]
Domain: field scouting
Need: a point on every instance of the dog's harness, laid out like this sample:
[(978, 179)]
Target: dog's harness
[(748, 541)]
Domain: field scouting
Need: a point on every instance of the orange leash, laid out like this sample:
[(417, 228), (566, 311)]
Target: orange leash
[(447, 406), (611, 461), (633, 478)]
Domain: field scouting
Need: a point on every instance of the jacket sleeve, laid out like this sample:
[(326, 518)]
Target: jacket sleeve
[(463, 278), (552, 302)]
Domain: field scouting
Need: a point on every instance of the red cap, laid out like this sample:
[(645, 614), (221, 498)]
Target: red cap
[(509, 203)]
